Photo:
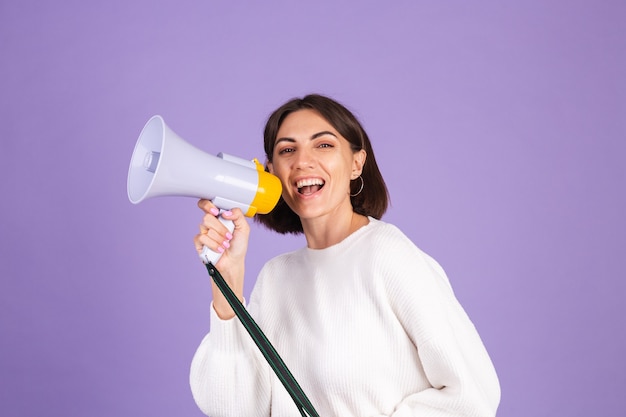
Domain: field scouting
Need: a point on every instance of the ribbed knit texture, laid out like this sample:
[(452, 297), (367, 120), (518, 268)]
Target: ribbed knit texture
[(369, 327)]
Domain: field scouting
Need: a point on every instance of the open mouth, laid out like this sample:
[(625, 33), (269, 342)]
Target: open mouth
[(310, 185)]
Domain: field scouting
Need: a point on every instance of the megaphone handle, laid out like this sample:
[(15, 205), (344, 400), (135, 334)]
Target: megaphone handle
[(207, 255)]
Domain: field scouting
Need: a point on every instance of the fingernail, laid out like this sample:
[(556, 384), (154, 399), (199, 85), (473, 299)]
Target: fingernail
[(228, 213), (214, 211), (220, 249), (226, 244), (229, 235)]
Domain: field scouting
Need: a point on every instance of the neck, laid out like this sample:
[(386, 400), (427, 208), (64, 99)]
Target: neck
[(327, 231)]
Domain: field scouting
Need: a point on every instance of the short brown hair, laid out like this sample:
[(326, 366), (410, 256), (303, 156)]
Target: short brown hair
[(373, 198)]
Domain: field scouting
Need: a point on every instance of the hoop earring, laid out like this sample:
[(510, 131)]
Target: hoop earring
[(360, 189)]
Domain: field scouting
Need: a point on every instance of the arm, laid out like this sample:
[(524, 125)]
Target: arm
[(458, 388), (451, 353), (228, 375)]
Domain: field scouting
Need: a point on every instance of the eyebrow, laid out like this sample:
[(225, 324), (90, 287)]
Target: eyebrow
[(315, 136)]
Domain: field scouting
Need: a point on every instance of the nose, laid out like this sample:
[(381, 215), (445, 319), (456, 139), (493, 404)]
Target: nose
[(304, 158)]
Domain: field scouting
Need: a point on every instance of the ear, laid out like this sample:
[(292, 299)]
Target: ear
[(358, 161), (270, 167)]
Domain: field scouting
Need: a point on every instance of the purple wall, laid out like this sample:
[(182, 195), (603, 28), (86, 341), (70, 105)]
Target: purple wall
[(499, 126)]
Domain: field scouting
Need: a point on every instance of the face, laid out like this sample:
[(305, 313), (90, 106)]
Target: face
[(315, 165)]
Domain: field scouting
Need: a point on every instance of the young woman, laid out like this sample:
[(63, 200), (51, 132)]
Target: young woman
[(367, 322)]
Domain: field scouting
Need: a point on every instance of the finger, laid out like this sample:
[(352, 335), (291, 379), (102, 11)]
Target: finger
[(197, 243), (216, 245), (212, 223), (213, 227), (237, 217), (207, 206)]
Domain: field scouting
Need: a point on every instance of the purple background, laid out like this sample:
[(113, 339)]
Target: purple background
[(499, 127)]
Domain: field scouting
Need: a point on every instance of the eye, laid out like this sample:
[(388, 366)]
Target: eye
[(285, 150), (326, 145)]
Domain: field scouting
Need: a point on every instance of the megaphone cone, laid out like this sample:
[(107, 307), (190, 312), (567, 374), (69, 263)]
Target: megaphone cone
[(163, 164)]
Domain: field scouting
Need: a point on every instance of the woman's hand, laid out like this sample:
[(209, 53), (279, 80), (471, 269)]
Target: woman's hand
[(214, 235)]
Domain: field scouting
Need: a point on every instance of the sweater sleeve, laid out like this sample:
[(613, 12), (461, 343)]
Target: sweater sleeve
[(462, 377), (228, 376), (455, 390)]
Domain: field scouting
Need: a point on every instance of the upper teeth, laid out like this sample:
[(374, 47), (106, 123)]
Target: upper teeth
[(308, 182)]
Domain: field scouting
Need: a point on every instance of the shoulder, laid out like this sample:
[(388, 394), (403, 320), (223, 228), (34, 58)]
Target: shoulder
[(389, 239), (397, 254)]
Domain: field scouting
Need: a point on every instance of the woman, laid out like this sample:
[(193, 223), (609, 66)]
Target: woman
[(367, 323)]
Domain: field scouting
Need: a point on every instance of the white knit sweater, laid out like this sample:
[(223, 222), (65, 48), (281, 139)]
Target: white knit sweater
[(369, 327)]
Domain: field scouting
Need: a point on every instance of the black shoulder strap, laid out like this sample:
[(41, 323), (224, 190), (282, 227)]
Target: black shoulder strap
[(284, 375)]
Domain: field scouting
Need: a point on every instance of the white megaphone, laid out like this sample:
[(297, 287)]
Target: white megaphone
[(163, 164)]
